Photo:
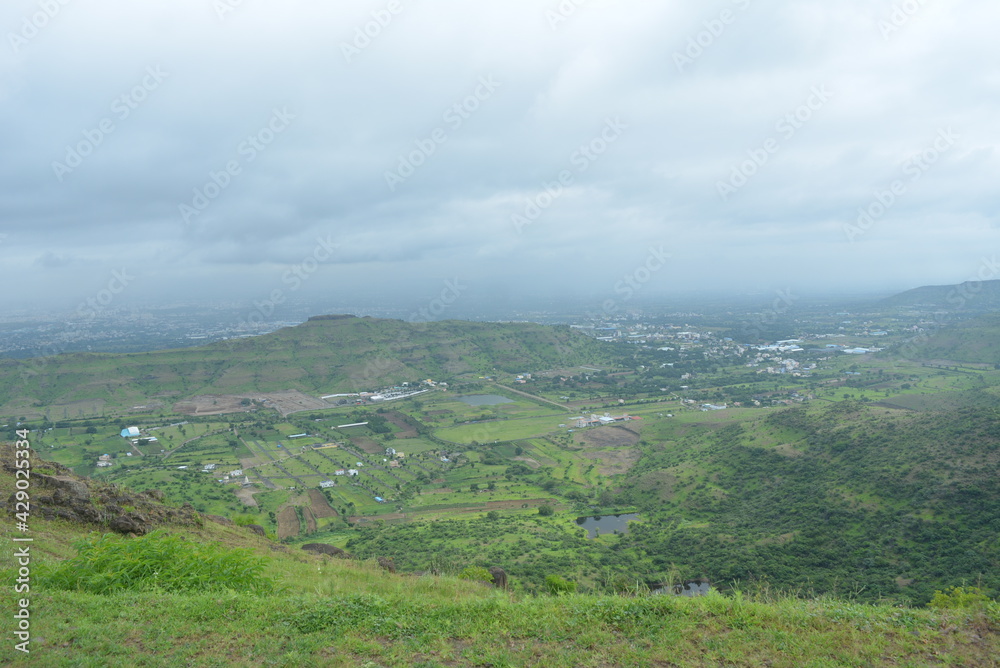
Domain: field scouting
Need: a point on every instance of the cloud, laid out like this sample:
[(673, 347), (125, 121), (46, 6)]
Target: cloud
[(135, 149)]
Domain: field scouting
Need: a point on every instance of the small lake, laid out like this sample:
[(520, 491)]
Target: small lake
[(485, 400), (606, 524), (690, 588)]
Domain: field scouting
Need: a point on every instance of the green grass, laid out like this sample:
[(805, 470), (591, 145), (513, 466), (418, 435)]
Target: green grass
[(502, 430), (159, 562), (356, 616), (352, 613)]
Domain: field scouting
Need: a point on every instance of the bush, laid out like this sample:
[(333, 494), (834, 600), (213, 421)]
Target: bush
[(546, 510), (475, 573), (959, 597), (558, 585), (109, 563)]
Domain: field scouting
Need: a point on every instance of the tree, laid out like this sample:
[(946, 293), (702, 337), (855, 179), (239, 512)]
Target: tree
[(546, 510)]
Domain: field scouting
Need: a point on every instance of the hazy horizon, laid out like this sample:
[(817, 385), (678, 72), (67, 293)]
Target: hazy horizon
[(391, 153)]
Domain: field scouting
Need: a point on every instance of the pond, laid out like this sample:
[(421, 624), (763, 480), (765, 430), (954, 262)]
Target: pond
[(485, 400), (606, 524), (689, 588)]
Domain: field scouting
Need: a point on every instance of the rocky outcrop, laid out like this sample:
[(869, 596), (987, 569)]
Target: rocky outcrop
[(59, 494), (257, 529), (499, 577), (387, 564)]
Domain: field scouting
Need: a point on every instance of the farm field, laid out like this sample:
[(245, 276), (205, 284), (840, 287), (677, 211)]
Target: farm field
[(707, 484)]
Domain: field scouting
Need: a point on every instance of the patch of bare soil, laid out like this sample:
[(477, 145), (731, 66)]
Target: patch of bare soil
[(310, 517), (368, 445), (407, 430), (246, 496), (285, 402), (608, 437), (529, 461), (212, 404), (288, 523), (614, 462), (517, 503), (292, 401), (319, 505)]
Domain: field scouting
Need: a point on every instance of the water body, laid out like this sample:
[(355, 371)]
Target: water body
[(485, 400), (606, 524), (690, 588)]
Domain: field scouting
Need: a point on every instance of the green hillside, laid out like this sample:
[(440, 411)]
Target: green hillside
[(102, 602), (975, 341), (969, 296), (326, 354), (848, 499)]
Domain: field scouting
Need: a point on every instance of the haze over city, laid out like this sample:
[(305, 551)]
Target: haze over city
[(198, 149)]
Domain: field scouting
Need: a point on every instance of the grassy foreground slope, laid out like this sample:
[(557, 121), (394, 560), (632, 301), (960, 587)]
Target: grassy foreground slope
[(326, 354), (348, 613)]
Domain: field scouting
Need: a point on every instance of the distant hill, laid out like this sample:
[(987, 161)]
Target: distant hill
[(980, 296), (973, 341), (325, 354)]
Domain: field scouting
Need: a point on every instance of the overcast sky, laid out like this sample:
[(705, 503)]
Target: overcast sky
[(201, 149)]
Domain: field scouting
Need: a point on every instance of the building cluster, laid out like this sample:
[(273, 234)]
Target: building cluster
[(582, 422)]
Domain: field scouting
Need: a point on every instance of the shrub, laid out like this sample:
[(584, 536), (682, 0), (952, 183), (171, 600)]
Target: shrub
[(558, 585), (475, 573), (109, 563), (959, 597), (546, 510)]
